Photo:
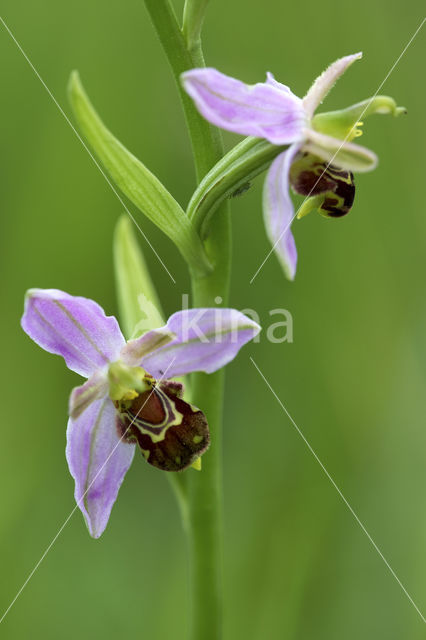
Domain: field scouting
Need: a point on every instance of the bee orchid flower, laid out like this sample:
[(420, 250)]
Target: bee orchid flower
[(129, 397), (321, 157)]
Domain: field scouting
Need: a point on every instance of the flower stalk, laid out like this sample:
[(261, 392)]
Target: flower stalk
[(205, 140), (205, 489)]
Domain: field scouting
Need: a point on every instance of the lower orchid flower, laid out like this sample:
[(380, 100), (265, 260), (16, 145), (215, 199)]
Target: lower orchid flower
[(321, 157), (129, 397)]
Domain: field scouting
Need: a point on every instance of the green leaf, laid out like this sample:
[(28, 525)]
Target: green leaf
[(138, 302), (136, 181)]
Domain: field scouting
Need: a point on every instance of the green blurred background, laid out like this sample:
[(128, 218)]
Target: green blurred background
[(298, 566)]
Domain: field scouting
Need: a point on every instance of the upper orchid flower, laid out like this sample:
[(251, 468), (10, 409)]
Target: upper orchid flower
[(321, 158), (129, 397)]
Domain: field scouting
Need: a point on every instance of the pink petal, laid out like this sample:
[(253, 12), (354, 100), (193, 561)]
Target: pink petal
[(82, 397), (265, 110), (206, 340), (73, 327), (135, 350), (98, 461), (278, 210)]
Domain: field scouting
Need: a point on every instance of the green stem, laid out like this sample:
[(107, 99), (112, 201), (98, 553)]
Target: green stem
[(205, 487), (193, 18), (205, 139)]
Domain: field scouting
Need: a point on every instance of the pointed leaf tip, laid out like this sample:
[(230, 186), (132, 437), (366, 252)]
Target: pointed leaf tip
[(135, 180)]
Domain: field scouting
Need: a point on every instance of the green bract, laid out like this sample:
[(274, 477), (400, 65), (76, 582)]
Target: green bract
[(136, 181), (244, 162), (137, 298)]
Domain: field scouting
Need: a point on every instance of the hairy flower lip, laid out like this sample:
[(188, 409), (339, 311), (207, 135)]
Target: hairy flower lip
[(171, 433), (91, 342)]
